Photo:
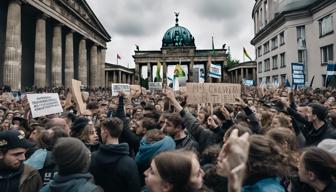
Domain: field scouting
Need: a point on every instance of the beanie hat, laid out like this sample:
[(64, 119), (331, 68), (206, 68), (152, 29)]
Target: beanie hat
[(71, 156), (78, 125)]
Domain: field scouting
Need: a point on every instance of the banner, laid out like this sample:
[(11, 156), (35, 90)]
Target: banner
[(212, 92), (155, 86), (117, 87), (298, 76), (215, 71), (331, 76), (76, 92), (44, 104), (248, 82)]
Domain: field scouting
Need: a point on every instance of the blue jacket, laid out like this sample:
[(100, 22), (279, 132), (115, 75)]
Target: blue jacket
[(271, 184)]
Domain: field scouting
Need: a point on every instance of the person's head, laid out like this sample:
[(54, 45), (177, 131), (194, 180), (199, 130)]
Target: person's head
[(202, 116), (71, 156), (328, 145), (266, 158), (13, 147), (35, 134), (285, 137), (56, 121), (143, 125), (89, 135), (173, 124), (316, 165), (281, 120), (242, 128), (174, 171), (78, 126), (48, 138), (111, 128), (317, 112)]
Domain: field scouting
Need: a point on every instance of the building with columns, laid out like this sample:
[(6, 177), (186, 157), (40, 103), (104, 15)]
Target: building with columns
[(48, 43), (246, 70), (178, 46), (118, 74), (294, 31)]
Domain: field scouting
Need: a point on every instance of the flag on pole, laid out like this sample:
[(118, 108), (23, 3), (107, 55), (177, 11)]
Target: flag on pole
[(179, 72), (311, 82), (246, 54), (118, 56), (158, 72)]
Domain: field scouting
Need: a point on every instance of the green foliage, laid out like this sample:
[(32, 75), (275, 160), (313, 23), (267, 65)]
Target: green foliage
[(231, 62)]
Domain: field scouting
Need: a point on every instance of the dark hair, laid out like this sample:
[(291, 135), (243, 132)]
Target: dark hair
[(175, 119), (242, 128), (284, 135), (175, 168), (320, 162), (266, 158), (148, 123), (114, 126), (319, 110), (48, 138)]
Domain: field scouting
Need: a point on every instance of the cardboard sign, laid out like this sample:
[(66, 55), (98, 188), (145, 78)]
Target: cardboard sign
[(155, 86), (212, 92), (117, 87), (76, 91), (44, 104)]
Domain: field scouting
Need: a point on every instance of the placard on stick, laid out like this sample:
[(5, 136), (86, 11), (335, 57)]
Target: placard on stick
[(155, 86), (44, 104), (75, 88), (212, 92), (117, 87)]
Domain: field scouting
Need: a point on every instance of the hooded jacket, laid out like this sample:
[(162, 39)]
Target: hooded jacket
[(81, 182), (114, 170)]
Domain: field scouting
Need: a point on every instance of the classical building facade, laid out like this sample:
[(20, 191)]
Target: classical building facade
[(178, 47), (246, 70), (118, 74), (48, 42), (294, 31)]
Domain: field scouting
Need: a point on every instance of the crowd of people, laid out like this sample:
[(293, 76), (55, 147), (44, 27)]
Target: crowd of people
[(269, 140)]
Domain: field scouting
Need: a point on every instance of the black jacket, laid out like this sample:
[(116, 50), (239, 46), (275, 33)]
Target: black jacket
[(187, 143), (114, 170), (312, 135)]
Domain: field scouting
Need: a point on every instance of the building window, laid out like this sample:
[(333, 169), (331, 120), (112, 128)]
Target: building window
[(260, 67), (282, 60), (300, 32), (275, 79), (283, 78), (274, 42), (327, 54), (301, 56), (259, 51), (266, 47), (266, 12), (260, 80), (268, 80), (267, 65), (282, 38), (275, 62), (326, 25)]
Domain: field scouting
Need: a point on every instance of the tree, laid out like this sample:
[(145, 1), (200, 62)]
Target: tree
[(231, 62)]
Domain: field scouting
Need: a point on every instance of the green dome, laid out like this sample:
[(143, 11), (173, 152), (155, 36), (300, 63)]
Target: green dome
[(178, 36)]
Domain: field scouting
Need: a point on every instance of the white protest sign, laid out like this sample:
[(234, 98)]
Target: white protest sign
[(117, 87), (44, 104), (212, 92), (155, 86), (215, 71)]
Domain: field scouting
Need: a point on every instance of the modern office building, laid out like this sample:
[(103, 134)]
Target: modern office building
[(294, 31)]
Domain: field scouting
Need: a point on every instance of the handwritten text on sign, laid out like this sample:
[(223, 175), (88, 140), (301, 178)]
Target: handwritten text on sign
[(212, 92), (44, 104)]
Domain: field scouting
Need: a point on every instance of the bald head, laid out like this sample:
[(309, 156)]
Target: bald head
[(58, 122)]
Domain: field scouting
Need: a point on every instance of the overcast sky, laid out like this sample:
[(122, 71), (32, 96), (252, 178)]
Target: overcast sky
[(144, 22)]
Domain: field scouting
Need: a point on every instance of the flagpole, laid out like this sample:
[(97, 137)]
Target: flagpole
[(117, 59)]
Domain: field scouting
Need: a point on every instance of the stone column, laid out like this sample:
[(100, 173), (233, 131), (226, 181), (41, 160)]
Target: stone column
[(190, 68), (56, 61), (247, 73), (13, 46), (137, 74), (93, 66), (119, 77), (40, 53), (102, 66), (254, 74), (149, 72), (82, 65), (236, 78), (164, 68), (115, 79), (241, 74), (106, 75), (69, 59)]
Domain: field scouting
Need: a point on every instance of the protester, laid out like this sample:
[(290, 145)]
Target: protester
[(111, 166), (14, 175), (73, 161)]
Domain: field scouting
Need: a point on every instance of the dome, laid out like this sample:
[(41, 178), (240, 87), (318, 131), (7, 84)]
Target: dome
[(178, 36), (289, 5)]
